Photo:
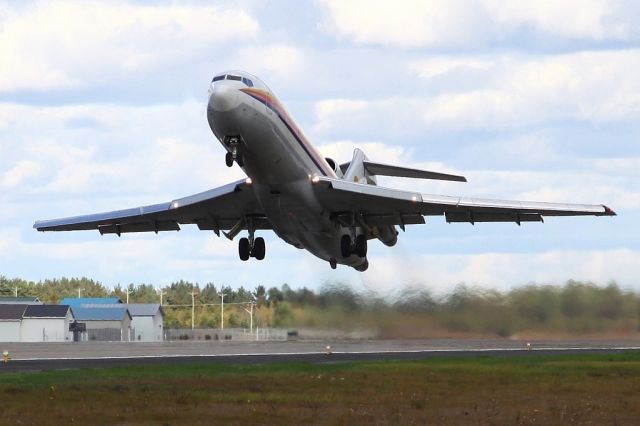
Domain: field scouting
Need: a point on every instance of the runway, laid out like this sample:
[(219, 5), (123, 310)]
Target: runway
[(60, 356)]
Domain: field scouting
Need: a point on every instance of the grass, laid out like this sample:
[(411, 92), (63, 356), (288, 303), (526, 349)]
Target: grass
[(596, 389)]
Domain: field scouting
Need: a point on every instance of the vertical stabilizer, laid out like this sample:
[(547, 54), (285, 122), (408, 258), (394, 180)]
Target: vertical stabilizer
[(357, 171)]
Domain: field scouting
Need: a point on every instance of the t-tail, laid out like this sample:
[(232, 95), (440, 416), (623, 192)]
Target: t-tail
[(361, 170)]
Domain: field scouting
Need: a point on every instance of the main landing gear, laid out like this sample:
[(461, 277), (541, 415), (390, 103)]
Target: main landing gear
[(235, 153), (358, 247), (251, 247)]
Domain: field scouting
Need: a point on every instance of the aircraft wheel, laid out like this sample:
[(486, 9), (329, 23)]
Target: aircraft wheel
[(361, 246), (228, 159), (333, 263), (239, 159), (345, 246), (259, 248), (243, 249)]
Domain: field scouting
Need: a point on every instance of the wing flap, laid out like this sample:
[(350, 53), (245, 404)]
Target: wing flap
[(151, 226), (473, 217)]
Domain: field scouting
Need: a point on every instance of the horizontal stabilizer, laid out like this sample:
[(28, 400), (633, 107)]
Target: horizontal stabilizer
[(397, 171)]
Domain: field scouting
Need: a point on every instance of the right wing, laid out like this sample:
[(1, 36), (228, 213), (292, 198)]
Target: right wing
[(223, 208), (376, 205)]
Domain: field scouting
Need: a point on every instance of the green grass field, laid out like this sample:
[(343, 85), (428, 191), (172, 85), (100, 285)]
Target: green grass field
[(590, 389)]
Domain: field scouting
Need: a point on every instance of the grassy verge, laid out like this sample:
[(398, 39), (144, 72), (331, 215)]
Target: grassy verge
[(600, 389)]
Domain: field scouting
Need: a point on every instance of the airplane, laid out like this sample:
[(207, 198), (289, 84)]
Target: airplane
[(332, 210)]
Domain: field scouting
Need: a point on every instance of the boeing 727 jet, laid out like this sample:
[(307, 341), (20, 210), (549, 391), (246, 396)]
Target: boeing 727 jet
[(332, 210)]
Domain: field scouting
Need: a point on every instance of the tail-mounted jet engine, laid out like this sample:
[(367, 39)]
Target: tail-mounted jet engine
[(334, 166)]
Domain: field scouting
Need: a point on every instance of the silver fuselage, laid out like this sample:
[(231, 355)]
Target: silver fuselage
[(281, 163)]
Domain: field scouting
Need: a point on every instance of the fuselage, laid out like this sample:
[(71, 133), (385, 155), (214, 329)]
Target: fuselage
[(245, 115)]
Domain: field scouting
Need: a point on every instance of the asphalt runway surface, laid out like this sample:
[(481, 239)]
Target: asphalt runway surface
[(61, 356)]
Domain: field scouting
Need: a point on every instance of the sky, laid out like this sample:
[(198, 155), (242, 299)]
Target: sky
[(102, 107)]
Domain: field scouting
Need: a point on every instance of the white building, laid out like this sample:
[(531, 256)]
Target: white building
[(105, 324), (10, 320), (147, 319), (46, 323)]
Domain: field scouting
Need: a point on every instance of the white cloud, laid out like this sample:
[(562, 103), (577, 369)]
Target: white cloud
[(465, 23), (598, 86), (437, 66), (279, 59), (511, 91), (22, 171), (92, 41), (145, 153), (589, 19)]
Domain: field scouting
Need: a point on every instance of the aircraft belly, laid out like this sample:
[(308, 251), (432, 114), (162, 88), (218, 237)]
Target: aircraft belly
[(298, 218)]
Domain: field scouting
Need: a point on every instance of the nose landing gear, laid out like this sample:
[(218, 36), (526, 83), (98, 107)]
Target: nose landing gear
[(235, 153), (333, 263)]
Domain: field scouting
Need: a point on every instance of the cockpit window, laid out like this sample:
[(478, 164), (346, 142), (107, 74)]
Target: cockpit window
[(245, 80)]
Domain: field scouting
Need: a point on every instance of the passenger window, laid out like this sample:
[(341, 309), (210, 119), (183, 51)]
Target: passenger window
[(218, 78)]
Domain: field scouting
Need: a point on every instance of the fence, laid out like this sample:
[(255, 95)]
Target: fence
[(237, 334), (107, 335)]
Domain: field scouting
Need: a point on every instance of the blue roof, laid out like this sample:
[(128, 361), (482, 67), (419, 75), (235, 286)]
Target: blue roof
[(77, 301), (100, 314)]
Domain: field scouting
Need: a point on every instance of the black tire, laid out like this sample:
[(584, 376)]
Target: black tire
[(243, 249), (361, 246), (345, 246), (239, 159), (259, 248), (229, 159)]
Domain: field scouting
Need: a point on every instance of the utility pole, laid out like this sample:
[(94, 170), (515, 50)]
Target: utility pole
[(129, 291), (161, 293), (193, 309), (222, 310), (79, 291), (250, 312)]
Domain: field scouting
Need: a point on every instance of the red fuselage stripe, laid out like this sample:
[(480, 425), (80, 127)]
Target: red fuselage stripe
[(277, 108)]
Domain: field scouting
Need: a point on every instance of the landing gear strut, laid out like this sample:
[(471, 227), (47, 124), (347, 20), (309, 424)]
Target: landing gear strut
[(251, 247), (235, 153), (349, 247)]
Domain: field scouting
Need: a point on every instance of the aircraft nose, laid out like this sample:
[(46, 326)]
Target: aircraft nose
[(223, 98)]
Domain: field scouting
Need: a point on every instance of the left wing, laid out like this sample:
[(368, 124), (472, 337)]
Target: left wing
[(223, 208), (376, 205)]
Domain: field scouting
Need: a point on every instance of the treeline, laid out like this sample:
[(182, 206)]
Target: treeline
[(571, 308)]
